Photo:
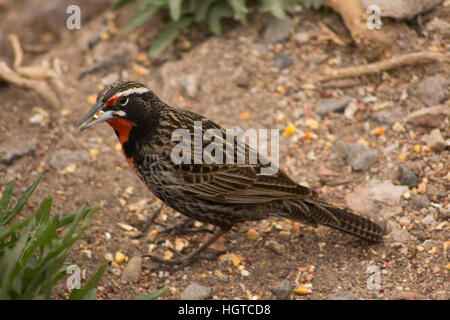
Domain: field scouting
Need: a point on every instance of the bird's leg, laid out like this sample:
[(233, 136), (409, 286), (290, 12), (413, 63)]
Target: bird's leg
[(183, 227), (191, 257), (148, 223)]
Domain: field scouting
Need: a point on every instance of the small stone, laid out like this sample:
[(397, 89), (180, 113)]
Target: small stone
[(283, 289), (351, 109), (274, 246), (429, 117), (65, 157), (302, 37), (429, 219), (282, 61), (190, 86), (342, 295), (16, 148), (435, 140), (400, 235), (401, 9), (406, 176), (132, 270), (333, 105), (195, 292), (432, 90), (421, 202), (110, 78), (277, 30), (357, 155)]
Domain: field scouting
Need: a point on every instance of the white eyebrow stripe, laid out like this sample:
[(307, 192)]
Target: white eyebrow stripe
[(131, 91)]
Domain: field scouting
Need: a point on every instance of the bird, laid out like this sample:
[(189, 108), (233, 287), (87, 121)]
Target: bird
[(221, 194)]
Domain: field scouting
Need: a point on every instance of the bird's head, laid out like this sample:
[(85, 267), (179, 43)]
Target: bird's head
[(121, 103)]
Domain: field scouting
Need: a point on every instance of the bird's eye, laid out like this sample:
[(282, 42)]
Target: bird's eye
[(123, 101)]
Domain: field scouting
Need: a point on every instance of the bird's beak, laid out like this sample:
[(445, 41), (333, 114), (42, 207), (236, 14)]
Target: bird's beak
[(97, 116)]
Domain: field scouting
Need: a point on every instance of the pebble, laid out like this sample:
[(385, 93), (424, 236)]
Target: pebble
[(65, 157), (421, 202), (277, 30), (429, 117), (283, 289), (357, 155), (435, 140), (343, 295), (302, 37), (377, 196), (274, 246), (16, 148), (195, 292), (401, 9), (406, 176), (429, 219), (332, 104), (432, 90), (190, 86), (132, 270), (282, 61), (400, 235), (389, 117)]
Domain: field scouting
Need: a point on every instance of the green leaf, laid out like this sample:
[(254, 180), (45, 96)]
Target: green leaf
[(276, 7), (146, 10), (21, 202), (86, 292), (171, 31), (153, 295), (202, 9), (122, 3), (240, 9), (175, 9), (218, 11), (9, 260), (4, 202)]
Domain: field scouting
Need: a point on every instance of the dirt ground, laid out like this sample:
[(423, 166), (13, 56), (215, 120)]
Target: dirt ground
[(238, 85)]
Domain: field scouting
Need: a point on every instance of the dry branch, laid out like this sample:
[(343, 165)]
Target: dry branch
[(40, 87), (410, 58)]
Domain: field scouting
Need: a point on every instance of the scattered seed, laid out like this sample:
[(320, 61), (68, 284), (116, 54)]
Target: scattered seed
[(119, 257), (302, 289), (290, 129), (252, 234), (244, 116)]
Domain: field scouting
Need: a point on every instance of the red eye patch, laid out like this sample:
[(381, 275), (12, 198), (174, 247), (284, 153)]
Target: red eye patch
[(112, 100)]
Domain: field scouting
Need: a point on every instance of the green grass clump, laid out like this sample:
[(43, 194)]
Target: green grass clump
[(183, 13)]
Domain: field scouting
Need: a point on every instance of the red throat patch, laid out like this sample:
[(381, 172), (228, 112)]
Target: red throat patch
[(123, 128)]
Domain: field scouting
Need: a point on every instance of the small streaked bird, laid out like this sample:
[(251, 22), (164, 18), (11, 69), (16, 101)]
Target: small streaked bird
[(219, 194)]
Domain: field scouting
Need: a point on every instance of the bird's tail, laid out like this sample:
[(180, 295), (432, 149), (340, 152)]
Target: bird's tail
[(315, 212)]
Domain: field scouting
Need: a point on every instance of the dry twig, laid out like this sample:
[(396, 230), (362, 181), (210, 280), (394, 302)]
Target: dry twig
[(40, 87), (410, 58)]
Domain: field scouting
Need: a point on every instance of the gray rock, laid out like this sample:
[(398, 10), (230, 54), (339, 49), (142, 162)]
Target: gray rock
[(401, 9), (387, 116), (277, 30), (282, 290), (357, 155), (429, 117), (16, 148), (274, 246), (64, 157), (195, 292), (406, 176), (435, 140), (343, 295), (400, 235), (432, 90), (133, 269), (428, 219), (390, 148), (190, 86), (376, 197), (282, 61), (332, 104), (421, 202)]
